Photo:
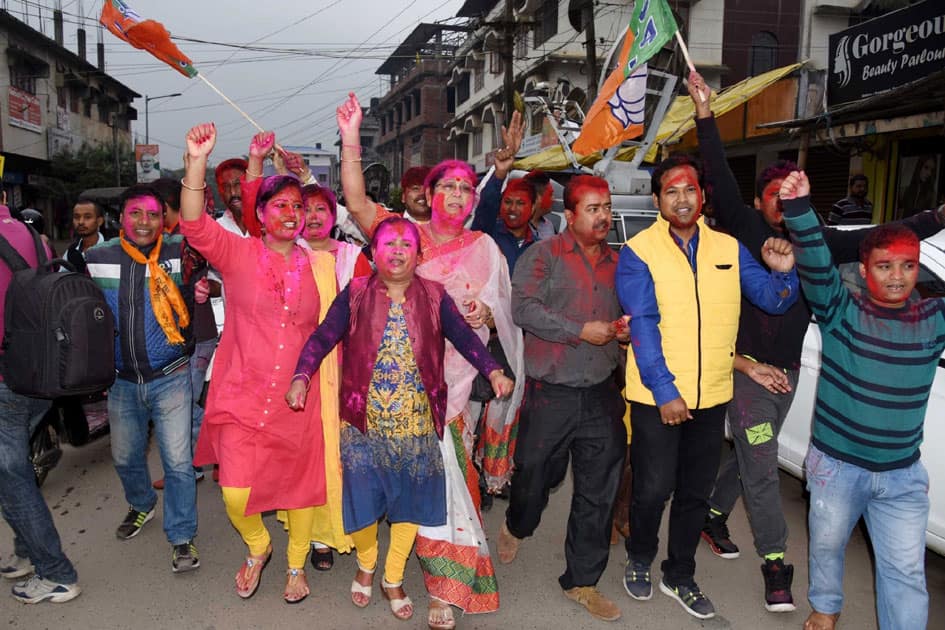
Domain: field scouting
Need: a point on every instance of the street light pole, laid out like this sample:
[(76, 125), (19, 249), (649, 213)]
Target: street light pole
[(148, 99)]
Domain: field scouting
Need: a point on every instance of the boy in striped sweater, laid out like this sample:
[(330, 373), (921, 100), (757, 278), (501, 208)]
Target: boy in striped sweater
[(880, 352)]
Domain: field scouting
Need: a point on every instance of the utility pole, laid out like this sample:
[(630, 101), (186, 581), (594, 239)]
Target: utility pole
[(587, 17), (508, 53)]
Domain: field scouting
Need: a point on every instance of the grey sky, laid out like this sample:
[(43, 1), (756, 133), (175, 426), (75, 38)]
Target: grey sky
[(257, 81)]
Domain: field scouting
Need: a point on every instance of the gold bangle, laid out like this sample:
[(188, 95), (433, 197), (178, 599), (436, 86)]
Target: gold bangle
[(252, 174), (344, 160), (201, 189)]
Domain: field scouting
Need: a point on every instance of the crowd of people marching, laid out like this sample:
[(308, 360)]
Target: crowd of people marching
[(482, 350)]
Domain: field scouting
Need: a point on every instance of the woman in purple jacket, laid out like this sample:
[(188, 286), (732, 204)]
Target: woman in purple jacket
[(393, 402)]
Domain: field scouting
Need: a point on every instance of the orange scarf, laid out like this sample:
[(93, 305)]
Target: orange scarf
[(165, 296)]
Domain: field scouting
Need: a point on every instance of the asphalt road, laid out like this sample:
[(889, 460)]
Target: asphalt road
[(129, 583)]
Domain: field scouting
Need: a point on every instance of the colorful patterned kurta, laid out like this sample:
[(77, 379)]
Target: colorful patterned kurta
[(395, 467)]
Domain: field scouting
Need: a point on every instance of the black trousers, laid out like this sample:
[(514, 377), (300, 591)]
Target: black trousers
[(678, 461), (585, 425)]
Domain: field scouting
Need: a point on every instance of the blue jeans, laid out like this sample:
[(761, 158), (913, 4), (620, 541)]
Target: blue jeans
[(22, 504), (199, 363), (895, 504), (167, 402)]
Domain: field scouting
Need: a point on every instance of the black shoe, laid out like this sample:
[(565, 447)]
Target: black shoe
[(778, 577), (133, 523), (485, 502), (715, 532), (322, 558), (185, 558), (690, 598)]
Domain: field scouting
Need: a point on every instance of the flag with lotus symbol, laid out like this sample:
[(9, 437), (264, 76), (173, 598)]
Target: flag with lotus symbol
[(618, 112)]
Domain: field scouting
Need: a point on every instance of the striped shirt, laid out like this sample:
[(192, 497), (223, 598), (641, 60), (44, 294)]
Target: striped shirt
[(877, 364), (848, 211)]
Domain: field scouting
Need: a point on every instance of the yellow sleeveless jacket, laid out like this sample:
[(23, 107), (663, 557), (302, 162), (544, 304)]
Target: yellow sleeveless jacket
[(698, 313)]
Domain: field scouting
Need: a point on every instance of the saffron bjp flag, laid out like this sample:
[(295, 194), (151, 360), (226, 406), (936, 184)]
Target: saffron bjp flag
[(617, 114), (149, 35)]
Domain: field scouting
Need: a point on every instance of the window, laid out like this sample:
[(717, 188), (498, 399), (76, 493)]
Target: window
[(495, 62), (87, 108), (416, 102), (73, 100), (462, 89), (477, 142), (62, 97), (22, 78), (323, 178), (764, 53), (479, 79), (521, 43), (546, 22)]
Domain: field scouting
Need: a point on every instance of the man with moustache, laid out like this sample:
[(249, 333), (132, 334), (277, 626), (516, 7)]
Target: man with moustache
[(228, 174), (87, 220), (140, 274), (412, 194), (681, 284), (563, 298)]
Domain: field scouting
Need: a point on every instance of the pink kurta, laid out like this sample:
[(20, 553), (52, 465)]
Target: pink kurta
[(249, 430)]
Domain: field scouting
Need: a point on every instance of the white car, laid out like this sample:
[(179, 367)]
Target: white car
[(795, 434)]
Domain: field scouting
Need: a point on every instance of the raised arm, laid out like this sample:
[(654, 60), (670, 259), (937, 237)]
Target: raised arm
[(359, 205), (200, 142), (819, 277), (727, 204)]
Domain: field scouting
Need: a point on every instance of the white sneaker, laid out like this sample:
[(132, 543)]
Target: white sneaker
[(37, 589), (15, 566)]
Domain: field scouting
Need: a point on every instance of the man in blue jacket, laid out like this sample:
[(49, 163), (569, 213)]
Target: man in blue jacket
[(140, 274)]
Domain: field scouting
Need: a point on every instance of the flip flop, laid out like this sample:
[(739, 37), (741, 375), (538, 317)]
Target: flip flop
[(252, 569), (402, 608)]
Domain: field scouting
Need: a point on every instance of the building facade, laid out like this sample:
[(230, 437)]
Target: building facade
[(55, 101)]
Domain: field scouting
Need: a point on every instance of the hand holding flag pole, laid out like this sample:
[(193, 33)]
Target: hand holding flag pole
[(685, 53)]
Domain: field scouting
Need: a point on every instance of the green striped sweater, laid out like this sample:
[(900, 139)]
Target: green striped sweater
[(877, 364)]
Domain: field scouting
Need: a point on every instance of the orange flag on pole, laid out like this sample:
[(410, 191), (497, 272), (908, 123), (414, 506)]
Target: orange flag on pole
[(149, 35), (617, 114)]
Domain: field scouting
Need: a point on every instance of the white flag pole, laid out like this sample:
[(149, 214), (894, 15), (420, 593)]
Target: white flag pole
[(234, 105), (685, 52)]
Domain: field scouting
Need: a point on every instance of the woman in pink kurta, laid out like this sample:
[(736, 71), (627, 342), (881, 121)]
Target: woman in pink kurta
[(270, 457)]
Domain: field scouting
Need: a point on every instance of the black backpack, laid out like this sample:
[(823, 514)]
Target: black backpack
[(59, 336)]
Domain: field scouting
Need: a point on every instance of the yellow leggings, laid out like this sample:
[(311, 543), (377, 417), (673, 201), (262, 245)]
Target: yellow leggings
[(255, 534), (402, 536)]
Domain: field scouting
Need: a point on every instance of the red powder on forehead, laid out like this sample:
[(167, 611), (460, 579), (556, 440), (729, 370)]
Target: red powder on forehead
[(681, 176), (903, 247)]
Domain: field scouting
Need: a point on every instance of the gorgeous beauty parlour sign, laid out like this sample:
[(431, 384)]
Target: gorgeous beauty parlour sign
[(887, 52)]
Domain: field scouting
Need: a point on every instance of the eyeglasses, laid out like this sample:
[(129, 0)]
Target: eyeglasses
[(453, 187)]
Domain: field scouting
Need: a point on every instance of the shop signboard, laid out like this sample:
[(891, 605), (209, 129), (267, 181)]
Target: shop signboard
[(886, 53)]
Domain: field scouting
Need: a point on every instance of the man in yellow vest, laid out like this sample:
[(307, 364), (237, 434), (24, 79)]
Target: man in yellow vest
[(681, 283)]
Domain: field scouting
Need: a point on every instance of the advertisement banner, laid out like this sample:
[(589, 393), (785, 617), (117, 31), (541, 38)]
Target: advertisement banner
[(147, 162), (24, 110), (886, 52)]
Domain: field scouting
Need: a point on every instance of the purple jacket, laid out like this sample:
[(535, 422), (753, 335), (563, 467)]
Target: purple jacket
[(358, 317)]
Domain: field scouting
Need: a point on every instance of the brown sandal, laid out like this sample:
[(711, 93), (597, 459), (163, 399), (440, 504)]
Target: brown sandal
[(293, 594), (250, 573)]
